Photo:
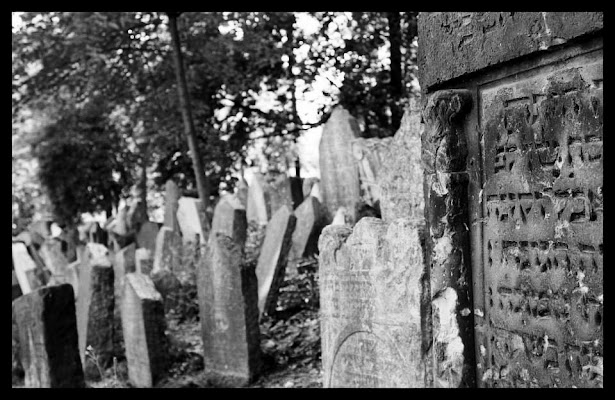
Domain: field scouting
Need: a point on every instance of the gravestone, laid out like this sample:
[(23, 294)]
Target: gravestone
[(278, 192), (401, 174), (95, 305), (228, 300), (513, 156), (254, 241), (119, 226), (167, 254), (339, 175), (72, 276), (191, 219), (242, 191), (52, 255), (143, 261), (143, 327), (25, 269), (146, 237), (136, 215), (171, 198), (124, 263), (306, 232), (307, 185), (258, 205), (271, 263), (47, 331), (369, 154), (371, 280)]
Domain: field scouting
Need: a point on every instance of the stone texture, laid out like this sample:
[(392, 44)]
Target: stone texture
[(278, 192), (95, 306), (307, 185), (144, 262), (168, 250), (254, 241), (444, 153), (272, 260), (371, 296), (191, 219), (171, 198), (168, 285), (52, 255), (477, 40), (307, 229), (339, 175), (401, 174), (228, 300), (369, 155), (258, 206), (47, 328), (25, 269), (146, 237), (124, 263), (143, 327)]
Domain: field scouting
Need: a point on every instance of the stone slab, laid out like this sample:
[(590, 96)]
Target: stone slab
[(307, 229), (191, 219), (168, 250), (146, 237), (171, 198), (25, 269)]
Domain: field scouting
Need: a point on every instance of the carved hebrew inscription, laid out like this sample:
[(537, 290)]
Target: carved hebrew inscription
[(542, 238)]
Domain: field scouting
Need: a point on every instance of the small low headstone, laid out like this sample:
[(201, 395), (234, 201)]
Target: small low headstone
[(146, 237), (228, 300), (191, 219), (143, 327), (25, 269), (48, 338), (305, 235), (95, 305), (168, 250), (271, 263), (143, 261)]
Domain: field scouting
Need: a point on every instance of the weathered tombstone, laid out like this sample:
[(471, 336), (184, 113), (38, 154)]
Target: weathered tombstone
[(25, 269), (171, 198), (168, 250), (513, 157), (278, 192), (339, 175), (271, 263), (143, 261), (47, 329), (52, 255), (371, 282), (143, 327), (191, 219), (168, 285), (369, 154), (124, 264), (146, 237), (258, 206), (306, 232), (95, 305), (254, 241), (401, 174), (228, 300)]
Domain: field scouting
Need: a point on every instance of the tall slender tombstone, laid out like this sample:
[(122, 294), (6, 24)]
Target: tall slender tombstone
[(192, 220), (307, 230), (143, 327), (168, 252), (339, 175), (444, 152), (171, 198), (371, 296), (533, 201), (95, 305), (228, 300), (124, 263), (278, 192), (47, 332), (25, 269), (271, 264), (258, 205)]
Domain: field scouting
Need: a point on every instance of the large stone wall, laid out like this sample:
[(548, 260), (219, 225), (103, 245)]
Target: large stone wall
[(532, 184)]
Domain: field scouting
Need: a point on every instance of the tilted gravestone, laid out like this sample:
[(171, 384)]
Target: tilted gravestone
[(168, 250), (95, 305), (307, 229), (52, 255), (271, 263), (339, 175), (401, 174), (513, 161), (371, 280), (47, 332), (146, 237), (143, 327), (192, 220), (228, 300), (171, 198), (25, 269)]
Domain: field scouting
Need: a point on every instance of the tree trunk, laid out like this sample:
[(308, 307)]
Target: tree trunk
[(184, 101), (396, 84)]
